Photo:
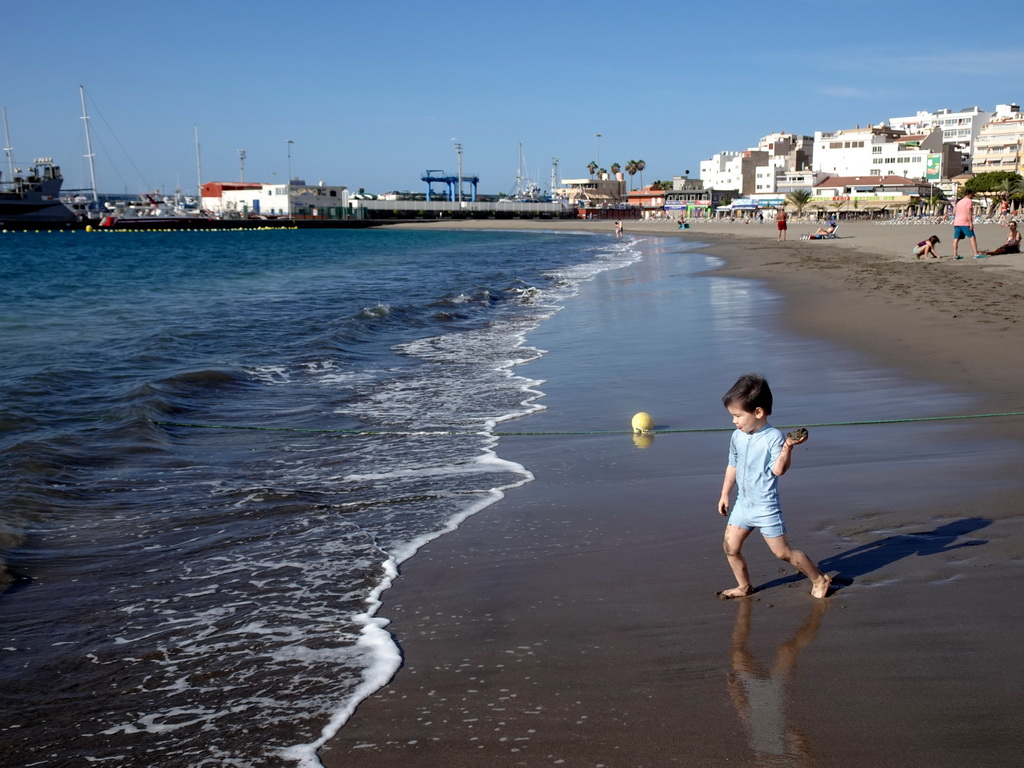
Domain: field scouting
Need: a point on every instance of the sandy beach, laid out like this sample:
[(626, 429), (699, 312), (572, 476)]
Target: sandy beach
[(575, 622)]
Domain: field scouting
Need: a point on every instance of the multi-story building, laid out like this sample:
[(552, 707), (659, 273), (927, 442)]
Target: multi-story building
[(1000, 144), (794, 180), (690, 198), (755, 170), (733, 170), (958, 128), (603, 190), (879, 150)]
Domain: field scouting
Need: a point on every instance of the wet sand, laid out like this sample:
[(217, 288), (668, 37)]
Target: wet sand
[(574, 623)]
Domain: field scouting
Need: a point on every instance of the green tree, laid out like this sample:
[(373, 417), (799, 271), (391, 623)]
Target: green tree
[(992, 184), (799, 198), (616, 168), (592, 167), (1017, 194)]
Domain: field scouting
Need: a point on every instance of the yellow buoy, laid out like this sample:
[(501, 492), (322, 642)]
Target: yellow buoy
[(643, 422), (88, 227)]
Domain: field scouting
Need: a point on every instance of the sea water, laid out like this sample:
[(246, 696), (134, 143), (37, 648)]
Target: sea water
[(217, 449)]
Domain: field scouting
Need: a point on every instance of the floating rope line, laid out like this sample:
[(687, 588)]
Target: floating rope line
[(465, 433)]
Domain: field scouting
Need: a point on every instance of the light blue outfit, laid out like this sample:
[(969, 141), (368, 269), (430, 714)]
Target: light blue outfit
[(757, 500)]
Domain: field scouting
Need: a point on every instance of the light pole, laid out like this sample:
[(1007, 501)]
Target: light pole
[(597, 137), (241, 165), (289, 143), (458, 150)]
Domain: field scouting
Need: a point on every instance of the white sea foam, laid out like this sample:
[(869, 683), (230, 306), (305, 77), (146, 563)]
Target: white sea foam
[(499, 348)]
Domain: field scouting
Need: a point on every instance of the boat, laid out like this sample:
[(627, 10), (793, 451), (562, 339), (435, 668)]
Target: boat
[(33, 196), (152, 211), (527, 190)]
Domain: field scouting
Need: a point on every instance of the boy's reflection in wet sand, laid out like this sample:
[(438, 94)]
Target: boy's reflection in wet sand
[(760, 694)]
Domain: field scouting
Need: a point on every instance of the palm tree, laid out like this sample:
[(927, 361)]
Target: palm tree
[(1003, 190), (1017, 194), (640, 165), (592, 166), (631, 169), (616, 168), (799, 198)]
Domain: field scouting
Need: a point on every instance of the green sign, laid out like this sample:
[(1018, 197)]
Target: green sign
[(933, 168)]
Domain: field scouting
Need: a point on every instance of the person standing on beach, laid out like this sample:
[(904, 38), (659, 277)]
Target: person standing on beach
[(780, 221), (759, 455), (963, 223), (618, 229)]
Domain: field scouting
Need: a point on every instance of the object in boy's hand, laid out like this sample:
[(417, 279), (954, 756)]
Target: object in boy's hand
[(798, 435)]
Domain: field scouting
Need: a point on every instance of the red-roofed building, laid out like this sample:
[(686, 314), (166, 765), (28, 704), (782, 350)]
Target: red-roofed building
[(848, 194), (647, 199)]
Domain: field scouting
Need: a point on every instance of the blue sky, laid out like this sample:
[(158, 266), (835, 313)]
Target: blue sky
[(372, 94)]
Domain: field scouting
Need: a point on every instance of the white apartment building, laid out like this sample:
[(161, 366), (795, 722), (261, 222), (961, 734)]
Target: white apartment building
[(756, 170), (794, 180), (877, 150), (732, 170), (1000, 144), (960, 128)]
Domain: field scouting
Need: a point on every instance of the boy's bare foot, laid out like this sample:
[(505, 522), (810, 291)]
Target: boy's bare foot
[(820, 589), (729, 594)]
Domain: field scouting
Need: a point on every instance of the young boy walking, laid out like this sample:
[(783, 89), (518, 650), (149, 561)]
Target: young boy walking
[(759, 455)]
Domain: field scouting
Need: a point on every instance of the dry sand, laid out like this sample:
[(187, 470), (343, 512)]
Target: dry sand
[(574, 622)]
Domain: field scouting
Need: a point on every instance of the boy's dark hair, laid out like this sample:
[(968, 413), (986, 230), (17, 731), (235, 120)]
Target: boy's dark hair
[(750, 392)]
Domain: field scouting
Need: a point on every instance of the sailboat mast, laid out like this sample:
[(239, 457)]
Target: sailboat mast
[(8, 148), (199, 169), (520, 186), (88, 147)]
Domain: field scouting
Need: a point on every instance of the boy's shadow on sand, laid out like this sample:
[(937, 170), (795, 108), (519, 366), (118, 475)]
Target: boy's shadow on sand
[(871, 557)]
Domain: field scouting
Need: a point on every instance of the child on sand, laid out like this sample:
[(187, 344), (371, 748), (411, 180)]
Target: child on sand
[(927, 248), (758, 456)]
